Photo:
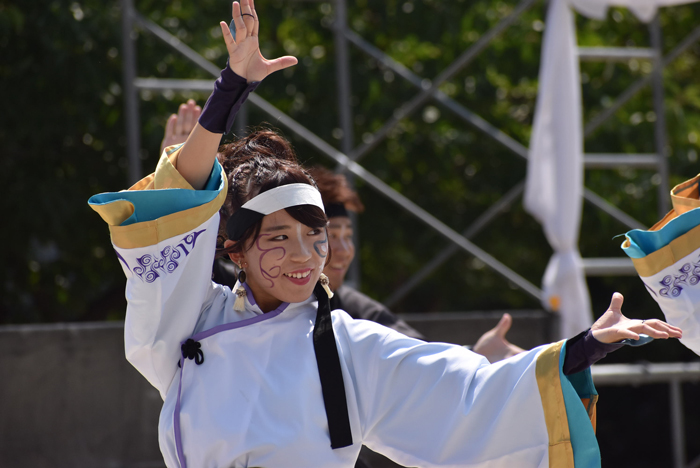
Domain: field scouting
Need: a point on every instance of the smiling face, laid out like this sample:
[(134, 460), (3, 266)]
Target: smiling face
[(342, 247), (284, 262)]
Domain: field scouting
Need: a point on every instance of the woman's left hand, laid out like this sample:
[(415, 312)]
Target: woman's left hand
[(612, 326), (244, 54)]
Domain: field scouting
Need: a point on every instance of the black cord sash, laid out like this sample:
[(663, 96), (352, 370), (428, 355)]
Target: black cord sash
[(330, 373)]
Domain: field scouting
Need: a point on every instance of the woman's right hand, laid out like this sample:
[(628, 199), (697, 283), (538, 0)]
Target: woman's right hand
[(613, 327), (244, 54)]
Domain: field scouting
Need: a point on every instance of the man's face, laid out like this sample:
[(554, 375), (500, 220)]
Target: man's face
[(342, 249)]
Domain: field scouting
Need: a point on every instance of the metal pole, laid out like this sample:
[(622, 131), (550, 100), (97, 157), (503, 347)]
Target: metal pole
[(131, 104), (384, 189), (342, 67), (677, 433), (660, 110), (635, 87), (604, 205), (177, 44), (461, 111), (480, 223), (484, 126), (455, 67)]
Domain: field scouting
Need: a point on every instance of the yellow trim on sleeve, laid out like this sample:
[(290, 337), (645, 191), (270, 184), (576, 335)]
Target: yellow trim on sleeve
[(116, 212), (668, 255), (591, 405), (148, 233), (166, 176), (561, 453), (671, 215), (685, 196)]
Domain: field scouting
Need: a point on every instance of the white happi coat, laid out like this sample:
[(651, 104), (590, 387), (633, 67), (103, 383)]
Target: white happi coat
[(667, 258), (256, 401)]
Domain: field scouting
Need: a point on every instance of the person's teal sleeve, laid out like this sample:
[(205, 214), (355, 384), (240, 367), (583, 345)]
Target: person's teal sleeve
[(153, 204), (643, 243)]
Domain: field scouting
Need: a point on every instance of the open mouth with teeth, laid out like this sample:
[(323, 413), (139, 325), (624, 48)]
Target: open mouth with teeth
[(299, 277)]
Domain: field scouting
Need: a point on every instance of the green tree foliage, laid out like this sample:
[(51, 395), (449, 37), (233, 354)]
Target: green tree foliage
[(63, 138)]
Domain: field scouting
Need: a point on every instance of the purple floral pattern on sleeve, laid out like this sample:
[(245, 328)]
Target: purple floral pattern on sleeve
[(689, 275), (151, 267)]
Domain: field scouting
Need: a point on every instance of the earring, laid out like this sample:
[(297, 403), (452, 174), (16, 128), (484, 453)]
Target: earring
[(326, 283), (239, 304)]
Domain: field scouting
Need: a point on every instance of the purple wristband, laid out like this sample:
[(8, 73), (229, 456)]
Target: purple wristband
[(230, 92), (583, 350)]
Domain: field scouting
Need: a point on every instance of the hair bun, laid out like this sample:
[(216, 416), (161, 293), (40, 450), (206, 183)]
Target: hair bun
[(261, 143)]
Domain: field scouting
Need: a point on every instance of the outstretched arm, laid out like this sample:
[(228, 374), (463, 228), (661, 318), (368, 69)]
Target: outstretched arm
[(245, 60), (606, 335), (613, 327)]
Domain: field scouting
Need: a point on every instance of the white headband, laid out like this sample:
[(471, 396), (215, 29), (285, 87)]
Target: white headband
[(268, 202), (284, 196)]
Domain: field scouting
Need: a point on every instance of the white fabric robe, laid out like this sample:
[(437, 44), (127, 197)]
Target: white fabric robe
[(256, 399), (667, 258)]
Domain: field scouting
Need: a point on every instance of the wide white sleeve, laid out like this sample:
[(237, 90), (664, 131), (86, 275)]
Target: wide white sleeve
[(667, 258), (440, 405), (164, 234)]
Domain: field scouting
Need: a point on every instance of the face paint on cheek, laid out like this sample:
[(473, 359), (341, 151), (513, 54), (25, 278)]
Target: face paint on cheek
[(321, 247), (274, 270)]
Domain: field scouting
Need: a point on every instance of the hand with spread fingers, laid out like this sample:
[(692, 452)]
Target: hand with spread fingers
[(613, 327), (180, 125), (493, 344), (245, 58)]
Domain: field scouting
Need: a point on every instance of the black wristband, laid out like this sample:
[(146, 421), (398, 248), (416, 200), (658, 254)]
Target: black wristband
[(583, 350), (230, 92)]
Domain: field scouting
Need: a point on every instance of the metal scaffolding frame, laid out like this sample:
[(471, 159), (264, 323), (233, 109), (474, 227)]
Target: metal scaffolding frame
[(673, 374), (347, 158)]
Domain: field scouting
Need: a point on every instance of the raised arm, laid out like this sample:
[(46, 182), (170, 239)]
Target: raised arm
[(245, 60)]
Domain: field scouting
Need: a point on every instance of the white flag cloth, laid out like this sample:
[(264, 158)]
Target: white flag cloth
[(553, 194), (555, 170), (643, 9)]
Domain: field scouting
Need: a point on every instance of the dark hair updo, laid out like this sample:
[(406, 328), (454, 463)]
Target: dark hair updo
[(255, 164)]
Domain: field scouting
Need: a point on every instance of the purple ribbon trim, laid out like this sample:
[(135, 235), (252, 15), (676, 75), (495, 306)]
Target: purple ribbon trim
[(242, 323), (249, 293), (206, 334), (176, 417)]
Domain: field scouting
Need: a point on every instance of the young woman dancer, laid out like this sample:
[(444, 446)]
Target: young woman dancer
[(339, 200), (266, 376)]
